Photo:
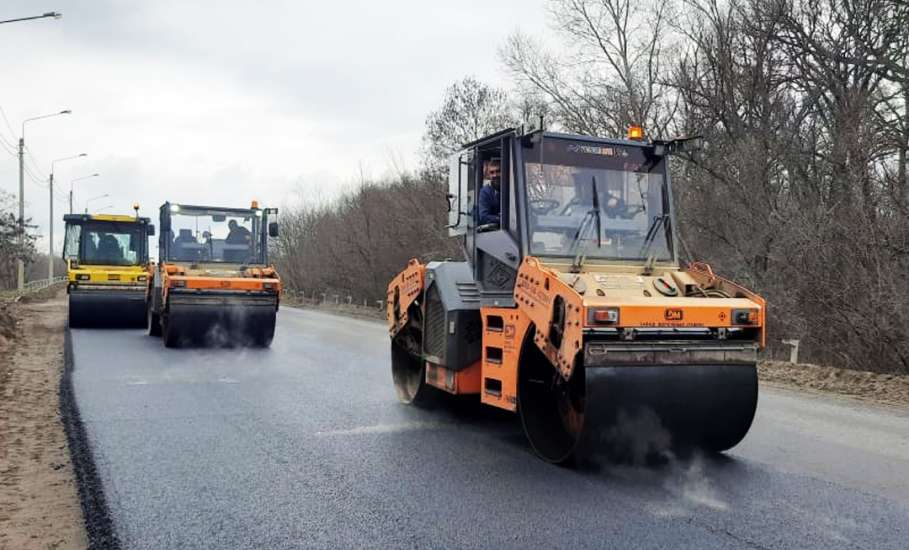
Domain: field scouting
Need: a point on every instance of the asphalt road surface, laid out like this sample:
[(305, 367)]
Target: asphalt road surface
[(304, 445)]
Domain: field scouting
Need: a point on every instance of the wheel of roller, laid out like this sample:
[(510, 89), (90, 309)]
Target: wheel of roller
[(153, 321), (551, 408)]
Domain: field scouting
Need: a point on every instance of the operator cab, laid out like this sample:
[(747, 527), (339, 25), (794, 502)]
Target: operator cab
[(202, 234), (106, 240), (566, 199)]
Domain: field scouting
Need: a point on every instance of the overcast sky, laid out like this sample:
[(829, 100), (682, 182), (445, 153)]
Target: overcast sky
[(222, 102)]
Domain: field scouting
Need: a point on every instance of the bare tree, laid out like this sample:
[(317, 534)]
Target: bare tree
[(614, 71), (11, 249), (354, 244), (469, 111), (802, 190)]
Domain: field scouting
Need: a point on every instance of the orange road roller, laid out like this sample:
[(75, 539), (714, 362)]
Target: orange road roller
[(572, 308), (213, 284)]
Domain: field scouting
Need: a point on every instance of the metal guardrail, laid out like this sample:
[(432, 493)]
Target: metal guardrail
[(41, 284), (32, 286), (327, 298)]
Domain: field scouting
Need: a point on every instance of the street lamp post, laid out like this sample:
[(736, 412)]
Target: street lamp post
[(54, 14), (20, 263), (104, 196), (50, 181), (71, 189)]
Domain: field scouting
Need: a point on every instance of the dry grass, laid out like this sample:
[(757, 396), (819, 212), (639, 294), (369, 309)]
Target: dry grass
[(891, 389)]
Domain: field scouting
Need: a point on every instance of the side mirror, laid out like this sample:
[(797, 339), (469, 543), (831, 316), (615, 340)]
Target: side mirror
[(273, 229), (151, 230), (678, 146)]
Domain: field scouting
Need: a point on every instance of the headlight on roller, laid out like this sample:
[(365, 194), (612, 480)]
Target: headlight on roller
[(142, 278), (744, 316), (83, 276), (603, 316)]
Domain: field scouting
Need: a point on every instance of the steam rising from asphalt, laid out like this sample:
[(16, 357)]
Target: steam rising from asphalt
[(234, 326), (637, 437), (232, 330), (640, 446)]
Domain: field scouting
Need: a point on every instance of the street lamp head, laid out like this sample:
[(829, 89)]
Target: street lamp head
[(54, 14), (66, 112), (83, 154)]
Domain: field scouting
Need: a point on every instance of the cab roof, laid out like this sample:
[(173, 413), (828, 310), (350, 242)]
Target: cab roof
[(121, 218), (216, 208), (558, 135)]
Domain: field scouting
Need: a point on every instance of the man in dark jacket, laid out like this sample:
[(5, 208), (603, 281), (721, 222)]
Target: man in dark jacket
[(237, 233), (490, 198)]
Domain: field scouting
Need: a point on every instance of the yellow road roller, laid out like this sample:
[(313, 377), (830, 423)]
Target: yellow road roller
[(107, 269)]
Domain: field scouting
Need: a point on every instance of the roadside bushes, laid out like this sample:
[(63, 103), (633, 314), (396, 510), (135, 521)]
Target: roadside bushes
[(353, 245)]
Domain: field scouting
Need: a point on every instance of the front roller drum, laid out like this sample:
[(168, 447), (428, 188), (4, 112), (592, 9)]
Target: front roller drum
[(218, 325), (106, 309), (629, 413)]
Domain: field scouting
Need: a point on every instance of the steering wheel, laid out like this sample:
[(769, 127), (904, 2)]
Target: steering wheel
[(541, 207)]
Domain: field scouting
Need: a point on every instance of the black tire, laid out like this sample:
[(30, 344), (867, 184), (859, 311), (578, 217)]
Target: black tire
[(153, 321)]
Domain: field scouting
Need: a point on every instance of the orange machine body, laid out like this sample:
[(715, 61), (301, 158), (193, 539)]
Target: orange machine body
[(539, 287)]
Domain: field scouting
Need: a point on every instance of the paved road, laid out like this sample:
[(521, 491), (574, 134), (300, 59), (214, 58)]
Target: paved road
[(304, 445)]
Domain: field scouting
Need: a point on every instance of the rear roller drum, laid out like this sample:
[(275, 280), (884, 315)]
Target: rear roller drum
[(409, 375)]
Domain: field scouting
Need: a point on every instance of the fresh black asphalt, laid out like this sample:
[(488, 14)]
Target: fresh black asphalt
[(304, 446)]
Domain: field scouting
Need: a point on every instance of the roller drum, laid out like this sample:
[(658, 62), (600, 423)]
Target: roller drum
[(107, 308), (628, 412), (220, 321), (634, 410)]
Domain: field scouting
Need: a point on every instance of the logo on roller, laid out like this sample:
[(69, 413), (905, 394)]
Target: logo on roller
[(673, 314)]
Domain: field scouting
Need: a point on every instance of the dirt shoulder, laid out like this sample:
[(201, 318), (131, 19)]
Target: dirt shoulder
[(888, 389), (39, 502)]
